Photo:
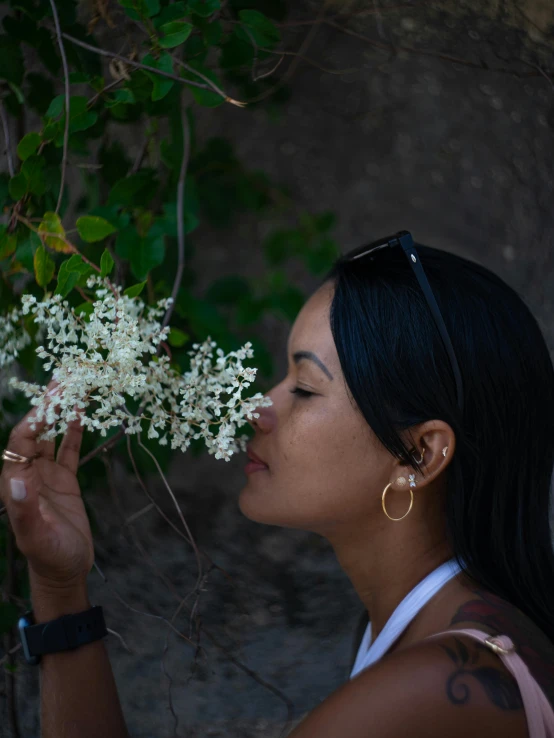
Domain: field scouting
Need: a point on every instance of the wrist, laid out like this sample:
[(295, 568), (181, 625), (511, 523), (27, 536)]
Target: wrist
[(51, 601)]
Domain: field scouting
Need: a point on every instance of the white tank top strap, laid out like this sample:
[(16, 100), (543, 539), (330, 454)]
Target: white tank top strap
[(369, 653), (538, 710)]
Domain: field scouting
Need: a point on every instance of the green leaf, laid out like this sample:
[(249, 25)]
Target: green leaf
[(137, 189), (44, 267), (138, 9), (176, 32), (80, 117), (264, 31), (161, 85), (26, 248), (18, 186), (8, 243), (177, 338), (28, 145), (135, 289), (51, 223), (175, 11), (76, 263), (67, 278), (106, 263), (33, 170), (85, 309), (147, 253), (56, 107), (93, 228), (124, 96), (204, 8)]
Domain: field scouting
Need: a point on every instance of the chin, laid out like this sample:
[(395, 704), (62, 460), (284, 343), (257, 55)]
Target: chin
[(256, 507)]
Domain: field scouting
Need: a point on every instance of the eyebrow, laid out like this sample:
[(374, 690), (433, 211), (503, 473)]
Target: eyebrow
[(299, 355)]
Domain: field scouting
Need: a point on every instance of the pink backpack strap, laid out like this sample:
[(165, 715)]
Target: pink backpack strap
[(539, 713)]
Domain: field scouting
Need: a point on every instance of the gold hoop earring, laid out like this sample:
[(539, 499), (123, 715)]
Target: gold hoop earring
[(385, 509)]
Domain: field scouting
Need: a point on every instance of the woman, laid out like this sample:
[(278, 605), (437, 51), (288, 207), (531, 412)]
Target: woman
[(418, 438)]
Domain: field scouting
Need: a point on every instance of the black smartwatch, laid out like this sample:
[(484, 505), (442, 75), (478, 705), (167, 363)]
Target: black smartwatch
[(62, 634)]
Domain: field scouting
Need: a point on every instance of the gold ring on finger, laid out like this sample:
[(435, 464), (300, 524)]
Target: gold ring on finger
[(16, 458)]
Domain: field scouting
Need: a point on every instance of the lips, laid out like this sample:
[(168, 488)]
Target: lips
[(252, 456)]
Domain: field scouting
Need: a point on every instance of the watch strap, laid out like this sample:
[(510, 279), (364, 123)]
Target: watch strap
[(66, 632)]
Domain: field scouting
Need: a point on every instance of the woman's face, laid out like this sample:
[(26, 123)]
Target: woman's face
[(326, 468)]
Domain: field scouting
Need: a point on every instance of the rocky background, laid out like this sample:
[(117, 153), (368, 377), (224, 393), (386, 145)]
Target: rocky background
[(436, 117)]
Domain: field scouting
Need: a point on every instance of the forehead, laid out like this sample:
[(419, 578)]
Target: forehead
[(311, 330)]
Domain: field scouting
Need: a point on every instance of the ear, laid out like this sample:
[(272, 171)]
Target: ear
[(434, 439)]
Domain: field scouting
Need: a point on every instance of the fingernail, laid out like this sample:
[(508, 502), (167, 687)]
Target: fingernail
[(19, 491), (53, 392)]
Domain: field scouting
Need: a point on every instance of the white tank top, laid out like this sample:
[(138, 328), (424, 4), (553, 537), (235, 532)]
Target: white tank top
[(402, 616)]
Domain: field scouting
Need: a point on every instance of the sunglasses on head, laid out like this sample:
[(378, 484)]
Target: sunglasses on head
[(405, 240)]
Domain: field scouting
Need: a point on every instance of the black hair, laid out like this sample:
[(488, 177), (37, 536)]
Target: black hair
[(497, 506)]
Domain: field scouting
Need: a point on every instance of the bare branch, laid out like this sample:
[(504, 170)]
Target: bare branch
[(140, 612), (209, 82), (177, 507), (180, 216), (103, 448), (131, 63), (424, 52), (67, 100), (308, 61), (139, 513), (121, 640), (300, 54), (7, 141)]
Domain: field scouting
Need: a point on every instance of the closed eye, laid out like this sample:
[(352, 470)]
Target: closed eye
[(301, 393)]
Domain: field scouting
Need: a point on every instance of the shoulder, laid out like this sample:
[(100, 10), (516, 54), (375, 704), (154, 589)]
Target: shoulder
[(447, 686)]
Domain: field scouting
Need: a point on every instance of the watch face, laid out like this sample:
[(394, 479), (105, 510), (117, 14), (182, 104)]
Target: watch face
[(24, 622)]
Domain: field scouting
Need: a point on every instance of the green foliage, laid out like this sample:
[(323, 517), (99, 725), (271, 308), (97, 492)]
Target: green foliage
[(120, 213), (94, 228)]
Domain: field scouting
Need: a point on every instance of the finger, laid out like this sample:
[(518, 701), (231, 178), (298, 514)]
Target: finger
[(23, 438), (70, 447), (47, 449), (20, 494)]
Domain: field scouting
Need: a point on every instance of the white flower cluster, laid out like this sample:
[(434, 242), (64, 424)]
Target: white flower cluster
[(108, 360), (13, 337)]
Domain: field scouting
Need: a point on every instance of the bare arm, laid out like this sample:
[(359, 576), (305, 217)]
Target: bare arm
[(78, 694)]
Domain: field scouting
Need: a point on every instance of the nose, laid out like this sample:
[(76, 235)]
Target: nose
[(266, 422)]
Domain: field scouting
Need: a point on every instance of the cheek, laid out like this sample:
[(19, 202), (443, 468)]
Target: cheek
[(323, 473)]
